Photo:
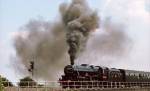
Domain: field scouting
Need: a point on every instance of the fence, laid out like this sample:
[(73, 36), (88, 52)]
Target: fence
[(102, 84), (67, 85)]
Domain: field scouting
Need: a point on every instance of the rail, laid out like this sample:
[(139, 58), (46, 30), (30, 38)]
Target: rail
[(73, 85)]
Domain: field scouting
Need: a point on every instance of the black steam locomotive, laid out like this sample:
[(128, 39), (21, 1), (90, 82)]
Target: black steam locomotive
[(85, 72)]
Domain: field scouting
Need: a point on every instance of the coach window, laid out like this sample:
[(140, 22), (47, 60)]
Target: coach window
[(143, 75), (132, 74), (136, 74), (146, 75), (129, 74), (140, 75)]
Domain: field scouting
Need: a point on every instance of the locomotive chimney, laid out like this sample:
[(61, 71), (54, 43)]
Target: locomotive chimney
[(72, 60), (72, 52)]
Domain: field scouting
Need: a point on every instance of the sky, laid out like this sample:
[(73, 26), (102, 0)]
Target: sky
[(134, 14)]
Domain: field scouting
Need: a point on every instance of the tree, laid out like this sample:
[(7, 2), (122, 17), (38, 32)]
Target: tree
[(5, 82), (27, 82), (1, 85)]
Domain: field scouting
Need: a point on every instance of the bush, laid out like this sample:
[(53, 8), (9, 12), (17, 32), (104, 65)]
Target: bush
[(1, 85), (5, 82), (27, 82)]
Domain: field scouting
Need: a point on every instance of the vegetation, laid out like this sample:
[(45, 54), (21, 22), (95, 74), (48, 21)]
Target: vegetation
[(27, 82), (1, 85), (5, 82)]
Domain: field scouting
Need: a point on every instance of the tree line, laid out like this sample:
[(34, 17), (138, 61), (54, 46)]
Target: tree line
[(24, 82)]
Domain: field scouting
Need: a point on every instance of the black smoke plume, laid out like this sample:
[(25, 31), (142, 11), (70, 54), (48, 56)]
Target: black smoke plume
[(79, 20)]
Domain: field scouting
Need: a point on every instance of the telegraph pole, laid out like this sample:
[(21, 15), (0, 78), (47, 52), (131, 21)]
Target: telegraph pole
[(31, 69)]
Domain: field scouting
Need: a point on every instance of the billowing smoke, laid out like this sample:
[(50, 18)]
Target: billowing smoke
[(108, 45), (44, 43), (79, 21), (114, 41)]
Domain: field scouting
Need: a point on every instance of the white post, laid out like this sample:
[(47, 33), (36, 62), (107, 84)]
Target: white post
[(111, 84)]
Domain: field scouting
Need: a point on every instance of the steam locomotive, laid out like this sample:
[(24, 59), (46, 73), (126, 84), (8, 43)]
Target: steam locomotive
[(85, 72)]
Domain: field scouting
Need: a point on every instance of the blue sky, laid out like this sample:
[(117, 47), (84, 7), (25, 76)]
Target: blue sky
[(16, 13)]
